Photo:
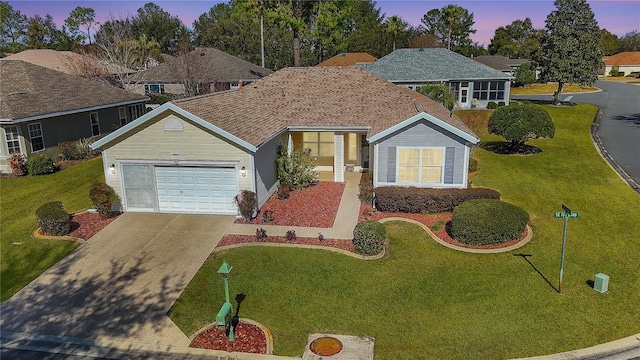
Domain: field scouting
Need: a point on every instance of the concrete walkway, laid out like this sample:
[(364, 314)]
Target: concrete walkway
[(343, 225)]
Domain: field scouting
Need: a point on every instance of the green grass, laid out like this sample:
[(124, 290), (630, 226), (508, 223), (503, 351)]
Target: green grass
[(426, 301), (550, 88), (20, 197)]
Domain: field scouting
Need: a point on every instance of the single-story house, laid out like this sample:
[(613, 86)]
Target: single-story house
[(474, 84), (40, 108), (625, 62), (348, 59), (195, 154), (502, 63), (205, 69)]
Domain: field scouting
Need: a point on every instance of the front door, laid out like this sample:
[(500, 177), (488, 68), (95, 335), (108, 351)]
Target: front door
[(463, 95), (364, 151)]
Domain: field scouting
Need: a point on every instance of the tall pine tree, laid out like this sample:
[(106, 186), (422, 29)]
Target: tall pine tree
[(569, 51)]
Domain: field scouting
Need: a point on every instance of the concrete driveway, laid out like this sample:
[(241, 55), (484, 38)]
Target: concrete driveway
[(121, 283)]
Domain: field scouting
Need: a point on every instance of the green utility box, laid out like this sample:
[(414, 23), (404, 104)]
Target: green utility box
[(601, 284)]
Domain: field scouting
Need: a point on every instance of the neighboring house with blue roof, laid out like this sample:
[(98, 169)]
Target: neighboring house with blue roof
[(474, 84)]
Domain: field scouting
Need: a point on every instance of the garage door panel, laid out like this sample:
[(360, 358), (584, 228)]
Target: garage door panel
[(191, 189)]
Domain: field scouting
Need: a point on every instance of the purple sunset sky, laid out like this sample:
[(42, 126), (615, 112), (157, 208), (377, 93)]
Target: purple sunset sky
[(617, 16)]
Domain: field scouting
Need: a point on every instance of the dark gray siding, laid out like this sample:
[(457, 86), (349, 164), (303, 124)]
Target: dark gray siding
[(422, 134)]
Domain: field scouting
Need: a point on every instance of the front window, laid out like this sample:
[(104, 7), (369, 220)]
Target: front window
[(95, 124), (13, 139), (420, 165), (35, 135), (320, 143), (154, 89), (488, 90)]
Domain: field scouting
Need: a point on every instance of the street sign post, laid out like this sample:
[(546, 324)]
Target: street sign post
[(564, 215)]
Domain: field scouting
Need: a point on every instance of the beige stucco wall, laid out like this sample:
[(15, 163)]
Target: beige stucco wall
[(151, 142)]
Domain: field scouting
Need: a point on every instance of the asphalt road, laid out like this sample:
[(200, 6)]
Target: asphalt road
[(619, 128)]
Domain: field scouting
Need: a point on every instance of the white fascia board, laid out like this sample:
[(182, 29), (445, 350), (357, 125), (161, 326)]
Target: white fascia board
[(75, 111), (178, 110), (424, 116), (330, 128)]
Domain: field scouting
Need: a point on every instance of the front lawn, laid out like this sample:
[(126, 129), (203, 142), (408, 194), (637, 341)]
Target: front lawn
[(550, 88), (22, 256), (427, 301)]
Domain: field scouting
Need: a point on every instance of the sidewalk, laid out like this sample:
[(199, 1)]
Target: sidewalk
[(343, 225)]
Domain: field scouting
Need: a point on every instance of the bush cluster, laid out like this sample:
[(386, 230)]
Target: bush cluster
[(18, 164), (487, 221), (366, 188), (369, 237), (103, 197), (53, 219), (473, 165), (419, 200), (247, 203), (78, 150), (492, 105), (40, 164)]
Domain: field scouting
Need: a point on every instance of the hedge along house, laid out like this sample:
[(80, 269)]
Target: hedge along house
[(195, 154), (473, 84), (41, 107)]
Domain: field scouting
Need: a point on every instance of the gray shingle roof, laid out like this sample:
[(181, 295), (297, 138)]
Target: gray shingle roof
[(205, 64), (500, 62), (30, 90), (432, 64), (331, 97)]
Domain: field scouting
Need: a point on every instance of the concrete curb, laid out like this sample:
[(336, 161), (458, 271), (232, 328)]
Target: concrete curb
[(109, 348), (624, 348), (38, 235), (463, 249)]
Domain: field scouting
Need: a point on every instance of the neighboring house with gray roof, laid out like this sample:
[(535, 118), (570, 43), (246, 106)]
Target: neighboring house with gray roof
[(40, 108), (200, 71), (474, 84), (194, 155), (498, 62)]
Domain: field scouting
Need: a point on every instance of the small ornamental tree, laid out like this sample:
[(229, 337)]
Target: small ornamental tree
[(103, 197), (295, 168), (519, 123), (525, 75), (247, 203), (440, 93)]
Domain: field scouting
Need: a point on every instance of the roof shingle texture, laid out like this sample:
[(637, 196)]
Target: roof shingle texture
[(348, 59), (431, 64), (624, 58), (29, 90), (500, 62), (332, 97), (67, 61), (206, 65)]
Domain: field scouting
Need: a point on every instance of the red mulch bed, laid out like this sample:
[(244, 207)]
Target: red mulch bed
[(245, 239), (248, 338), (315, 206), (85, 225), (429, 220)]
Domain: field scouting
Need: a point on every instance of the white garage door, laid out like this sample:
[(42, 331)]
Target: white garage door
[(196, 189)]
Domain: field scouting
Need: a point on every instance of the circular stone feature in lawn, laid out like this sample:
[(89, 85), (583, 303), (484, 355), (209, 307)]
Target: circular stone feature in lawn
[(326, 346)]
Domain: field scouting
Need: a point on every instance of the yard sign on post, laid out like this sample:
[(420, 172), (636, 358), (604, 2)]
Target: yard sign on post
[(565, 215)]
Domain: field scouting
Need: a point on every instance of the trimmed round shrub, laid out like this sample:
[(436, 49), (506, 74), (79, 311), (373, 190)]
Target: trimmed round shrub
[(519, 123), (487, 221), (103, 196), (369, 237), (53, 220), (40, 164)]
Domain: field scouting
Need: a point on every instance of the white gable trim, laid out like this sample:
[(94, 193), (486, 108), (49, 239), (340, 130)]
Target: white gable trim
[(424, 116), (172, 107)]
